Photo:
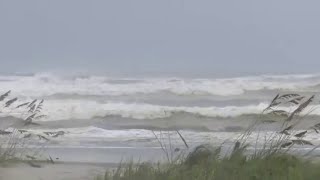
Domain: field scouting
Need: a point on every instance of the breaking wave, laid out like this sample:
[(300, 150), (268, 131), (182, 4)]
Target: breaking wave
[(84, 109), (48, 84), (132, 106)]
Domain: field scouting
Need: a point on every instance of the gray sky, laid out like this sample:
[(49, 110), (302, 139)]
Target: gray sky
[(160, 36)]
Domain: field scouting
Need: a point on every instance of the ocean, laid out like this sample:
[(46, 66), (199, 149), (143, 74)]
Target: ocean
[(103, 112)]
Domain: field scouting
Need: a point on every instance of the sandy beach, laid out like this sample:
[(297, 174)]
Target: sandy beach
[(88, 163), (58, 171), (78, 163)]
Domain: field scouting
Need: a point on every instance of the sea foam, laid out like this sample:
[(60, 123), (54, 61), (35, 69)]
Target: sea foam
[(48, 84)]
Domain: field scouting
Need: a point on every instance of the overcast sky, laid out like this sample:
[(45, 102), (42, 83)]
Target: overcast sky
[(160, 36)]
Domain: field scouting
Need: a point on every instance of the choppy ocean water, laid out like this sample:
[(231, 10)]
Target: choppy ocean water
[(102, 112)]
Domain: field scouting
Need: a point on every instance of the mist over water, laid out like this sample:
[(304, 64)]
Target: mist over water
[(96, 104), (207, 39), (112, 71)]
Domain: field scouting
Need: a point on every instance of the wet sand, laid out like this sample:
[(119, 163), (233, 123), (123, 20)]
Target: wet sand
[(58, 171), (86, 163), (78, 163)]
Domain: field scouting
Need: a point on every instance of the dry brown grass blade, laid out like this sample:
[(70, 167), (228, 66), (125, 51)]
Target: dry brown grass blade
[(275, 98), (31, 157), (182, 138), (42, 137), (11, 101), (32, 103), (285, 132), (273, 103), (3, 96), (279, 113), (51, 160), (316, 127), (287, 144), (315, 130), (32, 108), (163, 147), (296, 100), (300, 108), (302, 142), (5, 132), (287, 96), (49, 133), (34, 165), (286, 129), (29, 119), (22, 131), (39, 106), (27, 136), (301, 134), (268, 121), (21, 105), (55, 134), (304, 105)]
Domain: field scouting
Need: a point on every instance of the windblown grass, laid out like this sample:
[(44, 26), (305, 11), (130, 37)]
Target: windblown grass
[(213, 167), (271, 160), (14, 143)]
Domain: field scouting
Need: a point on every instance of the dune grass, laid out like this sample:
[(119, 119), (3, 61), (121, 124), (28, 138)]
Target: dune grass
[(273, 159), (14, 143), (235, 167)]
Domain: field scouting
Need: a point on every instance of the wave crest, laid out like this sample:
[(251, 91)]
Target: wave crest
[(49, 84)]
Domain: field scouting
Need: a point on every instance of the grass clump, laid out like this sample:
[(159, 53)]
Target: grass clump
[(234, 167), (272, 157), (15, 139)]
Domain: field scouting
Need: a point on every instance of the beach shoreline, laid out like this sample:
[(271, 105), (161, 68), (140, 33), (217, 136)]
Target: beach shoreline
[(57, 171)]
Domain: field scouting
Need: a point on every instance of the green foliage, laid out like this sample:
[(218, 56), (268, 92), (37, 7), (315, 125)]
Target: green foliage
[(272, 162), (234, 167)]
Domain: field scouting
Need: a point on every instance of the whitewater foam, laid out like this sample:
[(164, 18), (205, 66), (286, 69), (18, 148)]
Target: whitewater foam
[(86, 107), (47, 84), (74, 136)]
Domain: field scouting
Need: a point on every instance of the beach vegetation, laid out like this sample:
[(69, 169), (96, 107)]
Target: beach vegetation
[(17, 143), (272, 156)]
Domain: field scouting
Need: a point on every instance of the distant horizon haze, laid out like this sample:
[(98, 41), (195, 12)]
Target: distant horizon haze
[(160, 38)]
